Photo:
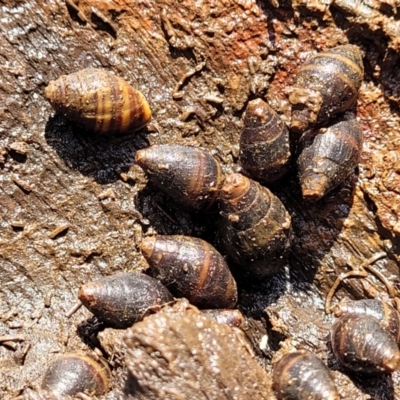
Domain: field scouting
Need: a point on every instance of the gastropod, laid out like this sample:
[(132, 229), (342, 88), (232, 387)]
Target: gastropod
[(74, 373), (362, 345), (99, 100), (303, 376), (386, 314), (325, 85), (189, 175), (328, 156), (123, 299), (192, 268), (264, 143), (232, 318), (254, 230)]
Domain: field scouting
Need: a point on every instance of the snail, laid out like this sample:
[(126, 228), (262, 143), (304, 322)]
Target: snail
[(303, 376), (232, 318), (98, 100), (361, 344), (191, 268), (264, 143), (325, 85), (191, 176), (254, 230), (328, 156), (387, 315), (74, 373), (123, 299)]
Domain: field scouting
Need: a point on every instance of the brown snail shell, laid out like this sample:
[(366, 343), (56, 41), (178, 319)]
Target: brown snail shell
[(325, 85), (74, 373), (229, 317), (264, 143), (387, 315), (328, 157), (254, 229), (303, 376), (191, 268), (123, 299), (361, 344), (189, 175), (99, 101)]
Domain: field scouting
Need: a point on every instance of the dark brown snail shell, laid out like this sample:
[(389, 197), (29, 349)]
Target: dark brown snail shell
[(189, 175), (191, 268), (74, 373), (328, 157), (229, 317), (254, 230), (387, 315), (361, 344), (325, 85), (264, 143), (303, 376), (123, 299), (99, 101)]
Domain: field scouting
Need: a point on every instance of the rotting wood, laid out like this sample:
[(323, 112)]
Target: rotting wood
[(249, 51)]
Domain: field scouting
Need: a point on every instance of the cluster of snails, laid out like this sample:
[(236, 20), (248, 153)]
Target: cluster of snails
[(254, 226), (189, 267), (119, 301), (123, 299), (326, 138), (364, 339)]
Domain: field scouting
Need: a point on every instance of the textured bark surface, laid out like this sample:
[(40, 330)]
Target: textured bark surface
[(74, 206), (182, 354)]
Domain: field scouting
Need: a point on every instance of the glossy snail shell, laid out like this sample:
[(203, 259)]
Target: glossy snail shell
[(387, 315), (191, 176), (328, 157), (325, 85), (123, 299), (303, 376), (191, 268), (99, 101), (254, 230), (74, 373), (232, 318), (361, 344), (264, 143)]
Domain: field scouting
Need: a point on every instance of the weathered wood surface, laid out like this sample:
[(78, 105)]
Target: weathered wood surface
[(198, 63)]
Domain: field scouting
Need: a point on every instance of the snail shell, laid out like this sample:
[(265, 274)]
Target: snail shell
[(229, 317), (73, 373), (326, 84), (189, 175), (264, 143), (191, 268), (329, 157), (254, 229), (361, 344), (123, 299), (99, 100), (303, 376), (387, 315)]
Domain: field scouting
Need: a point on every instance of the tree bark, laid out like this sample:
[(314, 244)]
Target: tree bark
[(74, 206)]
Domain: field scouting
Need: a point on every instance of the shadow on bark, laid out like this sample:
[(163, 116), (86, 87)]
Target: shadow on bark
[(102, 158)]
